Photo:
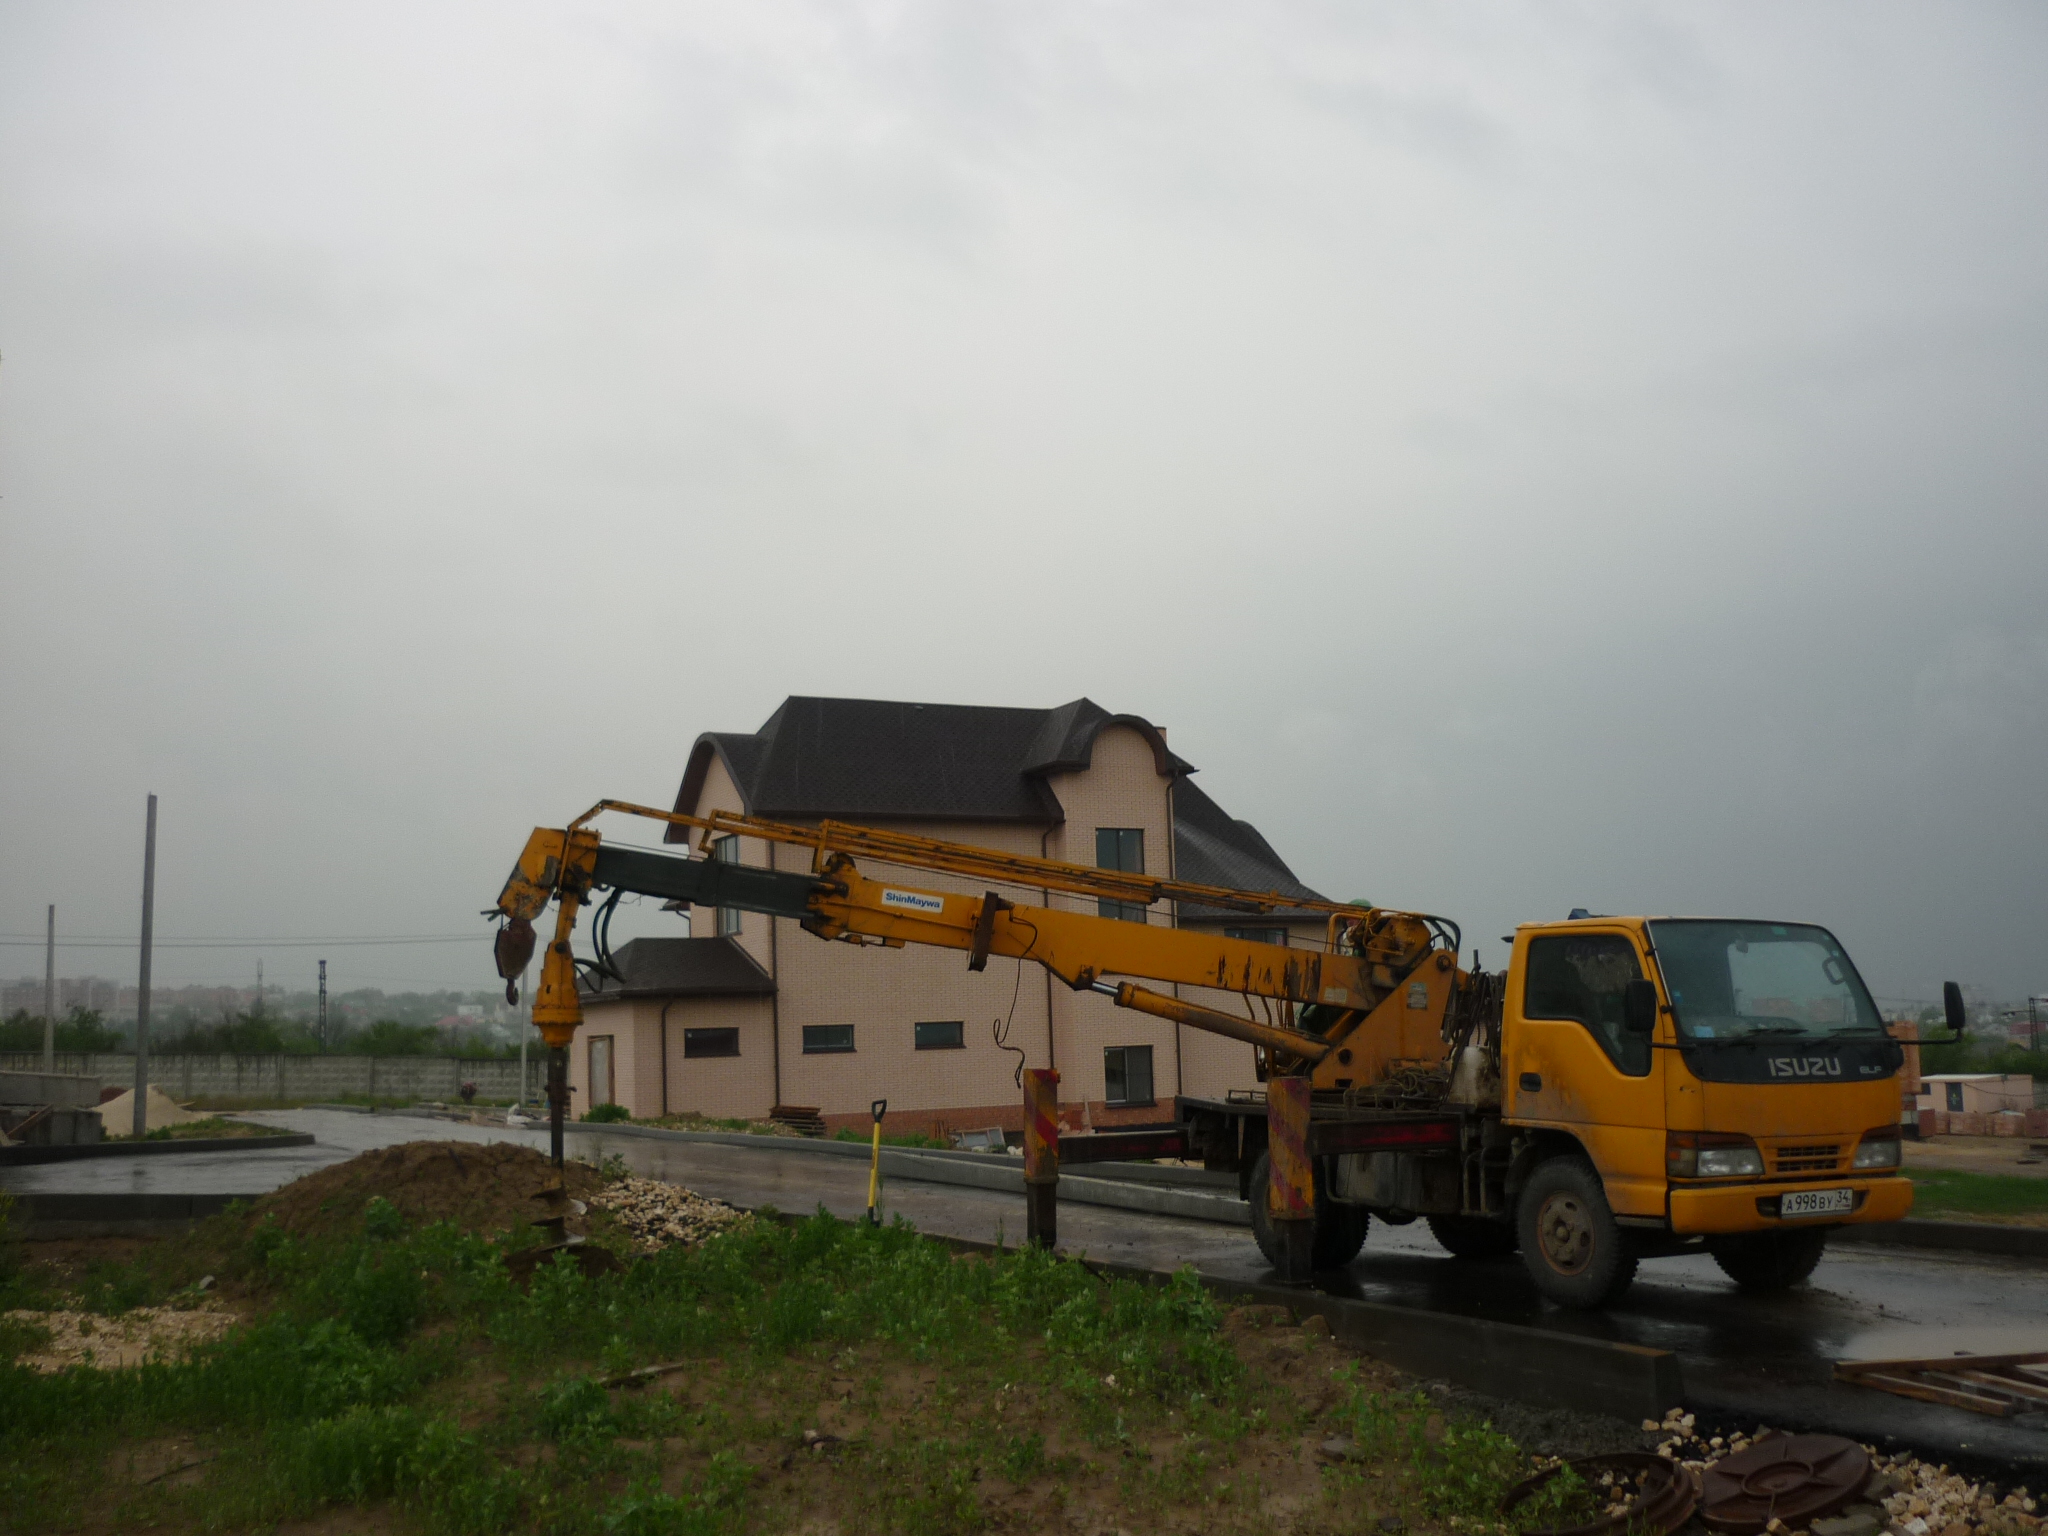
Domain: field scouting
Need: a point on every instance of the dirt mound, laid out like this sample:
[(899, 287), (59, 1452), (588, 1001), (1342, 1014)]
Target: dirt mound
[(485, 1187)]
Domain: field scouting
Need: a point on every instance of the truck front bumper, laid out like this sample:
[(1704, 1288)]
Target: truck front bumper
[(1754, 1207)]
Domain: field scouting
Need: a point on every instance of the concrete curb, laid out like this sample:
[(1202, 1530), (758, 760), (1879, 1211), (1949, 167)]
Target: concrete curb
[(1205, 1197), (40, 1217), (16, 1157), (1955, 1236)]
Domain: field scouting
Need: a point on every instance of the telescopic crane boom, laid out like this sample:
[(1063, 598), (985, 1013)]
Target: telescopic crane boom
[(1379, 993)]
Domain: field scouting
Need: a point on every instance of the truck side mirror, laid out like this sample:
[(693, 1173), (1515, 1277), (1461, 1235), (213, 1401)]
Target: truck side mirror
[(1952, 1005), (1639, 1007)]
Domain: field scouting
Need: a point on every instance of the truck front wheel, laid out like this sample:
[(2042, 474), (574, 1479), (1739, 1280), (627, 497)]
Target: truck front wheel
[(1768, 1261), (1340, 1229), (1574, 1251)]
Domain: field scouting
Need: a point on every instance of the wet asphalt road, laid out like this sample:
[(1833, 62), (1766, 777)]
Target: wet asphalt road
[(1745, 1359)]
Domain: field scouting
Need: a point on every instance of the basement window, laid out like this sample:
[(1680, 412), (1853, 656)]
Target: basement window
[(947, 1036), (1127, 1074), (711, 1042), (827, 1039)]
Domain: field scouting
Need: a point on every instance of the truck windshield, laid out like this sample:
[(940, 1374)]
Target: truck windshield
[(1738, 981)]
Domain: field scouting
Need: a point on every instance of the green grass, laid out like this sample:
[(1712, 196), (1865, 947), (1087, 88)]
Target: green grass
[(1977, 1194), (211, 1126), (906, 1139), (402, 1372)]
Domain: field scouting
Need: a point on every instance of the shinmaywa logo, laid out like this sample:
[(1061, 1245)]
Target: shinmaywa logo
[(915, 901)]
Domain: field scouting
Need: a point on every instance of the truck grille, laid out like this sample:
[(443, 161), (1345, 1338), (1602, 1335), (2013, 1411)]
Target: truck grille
[(1806, 1159)]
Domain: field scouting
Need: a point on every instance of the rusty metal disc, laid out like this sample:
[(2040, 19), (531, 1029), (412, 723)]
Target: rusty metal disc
[(1793, 1478), (1662, 1494)]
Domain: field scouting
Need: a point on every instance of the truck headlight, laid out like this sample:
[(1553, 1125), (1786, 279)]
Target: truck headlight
[(1879, 1148), (1730, 1162), (1711, 1155)]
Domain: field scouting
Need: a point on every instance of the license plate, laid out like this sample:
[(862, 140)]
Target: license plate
[(1817, 1202)]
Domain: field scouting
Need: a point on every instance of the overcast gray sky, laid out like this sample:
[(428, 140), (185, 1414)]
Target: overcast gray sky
[(1529, 457)]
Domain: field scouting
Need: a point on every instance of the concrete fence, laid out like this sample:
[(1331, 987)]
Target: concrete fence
[(294, 1077)]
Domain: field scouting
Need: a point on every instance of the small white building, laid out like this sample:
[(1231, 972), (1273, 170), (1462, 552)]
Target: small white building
[(1962, 1093)]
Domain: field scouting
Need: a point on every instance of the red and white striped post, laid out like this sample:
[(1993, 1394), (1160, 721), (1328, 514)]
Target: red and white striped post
[(1041, 1156), (1291, 1185)]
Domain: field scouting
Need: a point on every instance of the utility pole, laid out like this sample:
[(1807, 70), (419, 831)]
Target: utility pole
[(142, 982), (50, 994), (323, 1005)]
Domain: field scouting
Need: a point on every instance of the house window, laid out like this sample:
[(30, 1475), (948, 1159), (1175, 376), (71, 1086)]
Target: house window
[(1121, 848), (1127, 1074), (601, 1082), (947, 1036), (1954, 1097), (727, 851), (1258, 935), (827, 1039), (711, 1042)]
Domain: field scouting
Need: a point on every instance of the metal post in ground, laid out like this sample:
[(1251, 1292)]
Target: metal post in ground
[(525, 1028), (142, 982), (1291, 1190), (558, 1099), (323, 1005), (1042, 1156), (50, 994)]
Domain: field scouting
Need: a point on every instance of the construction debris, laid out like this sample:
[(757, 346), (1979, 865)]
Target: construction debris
[(118, 1342), (1901, 1495), (803, 1119), (1783, 1480), (1999, 1385), (658, 1215)]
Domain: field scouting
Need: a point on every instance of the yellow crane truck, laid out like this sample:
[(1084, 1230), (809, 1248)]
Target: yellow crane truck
[(1627, 1088)]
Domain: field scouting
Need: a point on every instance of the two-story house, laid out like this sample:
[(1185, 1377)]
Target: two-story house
[(751, 1012)]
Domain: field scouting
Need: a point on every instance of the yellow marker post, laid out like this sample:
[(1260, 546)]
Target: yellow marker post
[(878, 1109)]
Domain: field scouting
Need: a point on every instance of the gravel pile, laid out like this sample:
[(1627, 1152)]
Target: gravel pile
[(1905, 1496), (658, 1214), (115, 1343)]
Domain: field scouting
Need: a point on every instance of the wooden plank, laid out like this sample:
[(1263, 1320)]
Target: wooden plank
[(1947, 1362), (1961, 1382), (1904, 1386), (2033, 1391)]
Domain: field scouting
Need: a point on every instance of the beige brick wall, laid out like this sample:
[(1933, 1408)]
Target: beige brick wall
[(884, 992), (729, 1087), (1121, 787)]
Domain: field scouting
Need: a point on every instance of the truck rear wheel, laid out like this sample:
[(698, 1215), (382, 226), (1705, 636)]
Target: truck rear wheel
[(1473, 1237), (1574, 1250), (1769, 1261), (1340, 1229)]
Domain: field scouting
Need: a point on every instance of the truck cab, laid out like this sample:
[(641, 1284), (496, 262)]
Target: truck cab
[(1673, 1084)]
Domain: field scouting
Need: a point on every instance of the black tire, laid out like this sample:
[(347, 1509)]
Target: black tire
[(1340, 1229), (1473, 1237), (1574, 1251), (1769, 1261)]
